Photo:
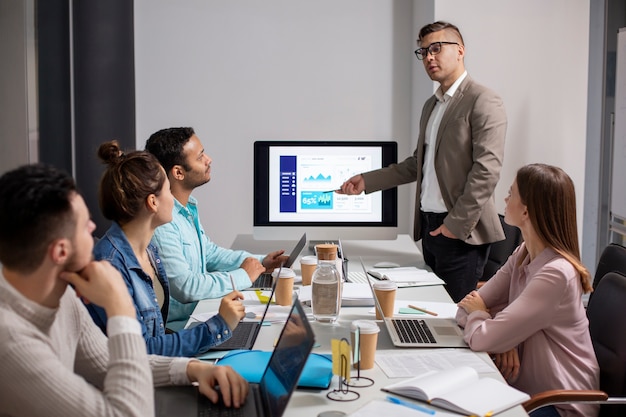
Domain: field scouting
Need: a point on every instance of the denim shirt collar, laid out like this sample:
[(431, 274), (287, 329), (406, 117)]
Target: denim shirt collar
[(118, 240)]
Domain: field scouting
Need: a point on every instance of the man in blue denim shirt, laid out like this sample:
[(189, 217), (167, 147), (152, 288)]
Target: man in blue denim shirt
[(196, 267)]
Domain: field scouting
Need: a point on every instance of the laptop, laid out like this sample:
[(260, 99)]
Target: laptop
[(264, 280), (270, 396), (429, 332), (246, 332)]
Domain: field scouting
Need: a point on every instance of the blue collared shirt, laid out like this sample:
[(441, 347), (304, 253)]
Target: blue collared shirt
[(196, 267), (114, 247)]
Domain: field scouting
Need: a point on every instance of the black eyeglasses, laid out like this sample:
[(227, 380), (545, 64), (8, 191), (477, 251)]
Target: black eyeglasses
[(434, 48)]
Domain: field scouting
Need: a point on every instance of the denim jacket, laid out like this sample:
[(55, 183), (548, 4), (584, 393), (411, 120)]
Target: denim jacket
[(114, 247), (196, 267)]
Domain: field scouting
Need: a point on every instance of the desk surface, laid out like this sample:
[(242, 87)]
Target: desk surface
[(403, 251)]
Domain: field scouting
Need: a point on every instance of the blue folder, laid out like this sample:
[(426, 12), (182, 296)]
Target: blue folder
[(317, 373)]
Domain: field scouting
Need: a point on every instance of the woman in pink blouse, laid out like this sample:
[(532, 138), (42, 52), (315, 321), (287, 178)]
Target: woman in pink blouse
[(530, 315)]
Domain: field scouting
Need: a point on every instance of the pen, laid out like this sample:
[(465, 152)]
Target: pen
[(330, 191), (423, 310), (410, 405), (232, 282)]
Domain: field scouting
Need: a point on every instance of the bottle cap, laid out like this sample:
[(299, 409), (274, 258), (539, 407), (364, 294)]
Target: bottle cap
[(326, 251)]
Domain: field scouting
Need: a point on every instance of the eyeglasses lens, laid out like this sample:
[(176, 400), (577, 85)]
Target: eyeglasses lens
[(433, 48)]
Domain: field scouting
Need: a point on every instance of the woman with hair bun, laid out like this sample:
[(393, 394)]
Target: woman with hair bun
[(530, 315), (135, 195)]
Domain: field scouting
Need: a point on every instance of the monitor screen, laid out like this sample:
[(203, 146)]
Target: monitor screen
[(294, 183)]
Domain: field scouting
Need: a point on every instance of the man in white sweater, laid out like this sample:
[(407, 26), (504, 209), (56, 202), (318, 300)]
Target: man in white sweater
[(55, 361)]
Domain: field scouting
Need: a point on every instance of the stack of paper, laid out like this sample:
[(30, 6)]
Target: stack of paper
[(407, 274), (356, 295)]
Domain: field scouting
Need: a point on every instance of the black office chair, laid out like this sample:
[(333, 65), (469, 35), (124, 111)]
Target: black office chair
[(500, 251), (612, 259), (606, 313)]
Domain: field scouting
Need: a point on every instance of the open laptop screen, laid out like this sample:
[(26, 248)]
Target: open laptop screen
[(290, 355)]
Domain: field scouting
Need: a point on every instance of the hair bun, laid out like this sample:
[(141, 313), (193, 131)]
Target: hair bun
[(110, 152)]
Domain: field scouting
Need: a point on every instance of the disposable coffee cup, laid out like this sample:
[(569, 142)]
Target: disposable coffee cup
[(283, 295), (368, 338), (307, 267), (386, 295)]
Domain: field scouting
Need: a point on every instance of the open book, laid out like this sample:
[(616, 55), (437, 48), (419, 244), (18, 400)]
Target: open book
[(460, 390)]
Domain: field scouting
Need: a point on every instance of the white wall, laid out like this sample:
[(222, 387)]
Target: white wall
[(297, 69), (534, 54), (278, 69)]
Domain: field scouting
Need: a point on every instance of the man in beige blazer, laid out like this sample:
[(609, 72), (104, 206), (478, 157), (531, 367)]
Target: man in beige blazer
[(456, 165)]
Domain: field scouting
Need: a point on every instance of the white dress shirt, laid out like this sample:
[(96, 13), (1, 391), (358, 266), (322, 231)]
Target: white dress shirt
[(431, 199)]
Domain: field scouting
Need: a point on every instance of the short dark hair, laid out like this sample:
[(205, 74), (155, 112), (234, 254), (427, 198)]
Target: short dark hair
[(35, 209), (436, 27), (128, 180), (167, 146)]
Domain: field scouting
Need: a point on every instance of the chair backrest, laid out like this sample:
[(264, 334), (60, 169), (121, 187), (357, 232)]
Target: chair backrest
[(500, 251), (612, 259), (607, 326)]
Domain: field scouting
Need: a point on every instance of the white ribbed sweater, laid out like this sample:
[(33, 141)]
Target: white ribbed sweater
[(56, 362)]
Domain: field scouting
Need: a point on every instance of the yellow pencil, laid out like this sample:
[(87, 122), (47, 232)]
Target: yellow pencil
[(423, 310)]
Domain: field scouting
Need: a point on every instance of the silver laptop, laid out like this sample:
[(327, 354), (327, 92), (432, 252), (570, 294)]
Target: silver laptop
[(419, 331), (269, 397), (264, 281)]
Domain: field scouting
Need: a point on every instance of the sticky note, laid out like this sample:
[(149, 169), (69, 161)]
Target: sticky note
[(341, 358), (407, 310)]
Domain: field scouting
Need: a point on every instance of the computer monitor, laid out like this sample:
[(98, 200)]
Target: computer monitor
[(293, 190)]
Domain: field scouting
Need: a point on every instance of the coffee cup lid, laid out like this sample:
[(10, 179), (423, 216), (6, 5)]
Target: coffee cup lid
[(385, 285), (284, 273), (365, 326), (309, 260)]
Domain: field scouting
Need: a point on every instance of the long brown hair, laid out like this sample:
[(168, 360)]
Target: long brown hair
[(548, 193), (127, 182)]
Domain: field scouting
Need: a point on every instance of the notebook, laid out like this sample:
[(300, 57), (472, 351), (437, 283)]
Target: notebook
[(265, 279), (246, 332), (420, 331), (269, 397)]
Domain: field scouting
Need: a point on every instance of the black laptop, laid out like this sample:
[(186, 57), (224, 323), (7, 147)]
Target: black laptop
[(268, 398), (264, 281), (245, 333)]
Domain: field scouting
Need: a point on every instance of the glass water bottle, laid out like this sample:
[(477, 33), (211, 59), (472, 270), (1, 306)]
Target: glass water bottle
[(326, 285)]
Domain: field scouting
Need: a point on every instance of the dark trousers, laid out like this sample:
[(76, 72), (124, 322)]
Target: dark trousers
[(460, 265)]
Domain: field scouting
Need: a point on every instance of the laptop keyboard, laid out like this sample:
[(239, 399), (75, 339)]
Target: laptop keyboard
[(413, 331), (357, 277), (239, 339), (207, 409), (263, 281)]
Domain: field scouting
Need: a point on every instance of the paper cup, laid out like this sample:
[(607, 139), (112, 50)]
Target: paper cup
[(386, 295), (283, 294), (368, 338), (307, 267)]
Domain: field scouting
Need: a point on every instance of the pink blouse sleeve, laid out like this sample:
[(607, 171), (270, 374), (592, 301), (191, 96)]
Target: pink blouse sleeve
[(530, 312)]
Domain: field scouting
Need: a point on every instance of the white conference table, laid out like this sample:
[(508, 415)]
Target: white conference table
[(402, 251)]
